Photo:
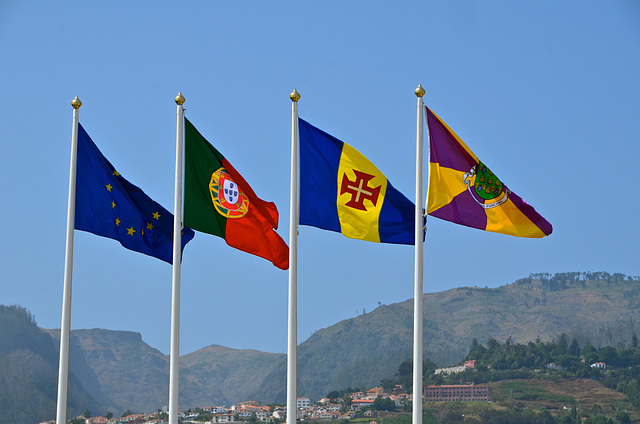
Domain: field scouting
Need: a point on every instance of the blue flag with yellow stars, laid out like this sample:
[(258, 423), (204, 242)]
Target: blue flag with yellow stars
[(110, 206)]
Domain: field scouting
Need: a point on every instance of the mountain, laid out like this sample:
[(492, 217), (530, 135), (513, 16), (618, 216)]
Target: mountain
[(598, 308), (120, 371), (220, 375), (29, 372)]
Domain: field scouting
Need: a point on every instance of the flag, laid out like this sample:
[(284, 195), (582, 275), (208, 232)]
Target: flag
[(110, 206), (218, 201), (341, 190), (462, 189)]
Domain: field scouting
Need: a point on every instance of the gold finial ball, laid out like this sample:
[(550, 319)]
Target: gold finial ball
[(419, 91), (294, 96), (76, 103), (179, 99)]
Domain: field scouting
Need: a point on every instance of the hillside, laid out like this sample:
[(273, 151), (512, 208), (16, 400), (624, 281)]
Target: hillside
[(516, 400), (29, 372), (220, 375), (120, 371), (361, 351), (557, 395)]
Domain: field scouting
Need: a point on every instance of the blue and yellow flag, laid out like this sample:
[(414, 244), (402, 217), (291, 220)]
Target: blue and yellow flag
[(110, 206), (341, 190)]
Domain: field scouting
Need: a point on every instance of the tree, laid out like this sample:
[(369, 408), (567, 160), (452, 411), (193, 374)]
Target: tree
[(87, 414), (405, 373), (574, 348), (387, 384), (334, 394), (346, 402), (405, 368), (428, 367), (623, 417), (476, 350), (108, 415), (384, 404)]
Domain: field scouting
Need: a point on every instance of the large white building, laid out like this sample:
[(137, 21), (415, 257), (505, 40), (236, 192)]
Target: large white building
[(304, 402)]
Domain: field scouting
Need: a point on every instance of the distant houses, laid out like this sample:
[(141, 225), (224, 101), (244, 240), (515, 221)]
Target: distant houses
[(360, 404)]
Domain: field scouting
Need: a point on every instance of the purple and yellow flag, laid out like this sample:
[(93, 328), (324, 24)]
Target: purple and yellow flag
[(463, 190)]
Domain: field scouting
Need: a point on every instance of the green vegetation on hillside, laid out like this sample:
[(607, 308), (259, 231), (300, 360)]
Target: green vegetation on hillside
[(540, 376), (29, 372)]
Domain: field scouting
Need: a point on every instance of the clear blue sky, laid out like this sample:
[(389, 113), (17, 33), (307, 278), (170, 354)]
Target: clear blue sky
[(546, 93)]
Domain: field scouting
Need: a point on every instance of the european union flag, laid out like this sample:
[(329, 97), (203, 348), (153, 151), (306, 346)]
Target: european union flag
[(110, 206)]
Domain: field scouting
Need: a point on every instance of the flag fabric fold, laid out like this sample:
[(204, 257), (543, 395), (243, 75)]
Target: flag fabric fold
[(341, 190), (110, 206), (219, 201), (463, 190)]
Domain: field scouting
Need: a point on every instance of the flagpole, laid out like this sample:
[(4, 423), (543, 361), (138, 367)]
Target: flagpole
[(292, 343), (419, 255), (174, 363), (65, 326)]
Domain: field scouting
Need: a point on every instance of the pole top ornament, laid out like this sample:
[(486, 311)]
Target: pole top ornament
[(76, 103)]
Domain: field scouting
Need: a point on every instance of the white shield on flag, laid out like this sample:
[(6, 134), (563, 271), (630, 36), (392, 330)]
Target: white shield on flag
[(231, 192)]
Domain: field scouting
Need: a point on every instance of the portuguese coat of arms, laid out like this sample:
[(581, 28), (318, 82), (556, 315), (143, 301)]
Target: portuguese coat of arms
[(226, 196)]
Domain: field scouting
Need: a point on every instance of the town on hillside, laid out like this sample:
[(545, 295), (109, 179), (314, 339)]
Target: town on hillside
[(470, 383), (355, 405)]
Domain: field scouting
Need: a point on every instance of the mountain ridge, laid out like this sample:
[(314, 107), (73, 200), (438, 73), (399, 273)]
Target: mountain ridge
[(118, 369)]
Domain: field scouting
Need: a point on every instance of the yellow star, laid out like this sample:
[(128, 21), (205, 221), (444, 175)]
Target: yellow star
[(130, 231), (156, 215), (116, 173), (113, 205), (149, 226), (142, 232), (118, 222), (109, 187)]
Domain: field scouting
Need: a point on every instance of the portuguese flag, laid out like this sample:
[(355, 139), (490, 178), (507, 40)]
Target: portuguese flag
[(218, 201)]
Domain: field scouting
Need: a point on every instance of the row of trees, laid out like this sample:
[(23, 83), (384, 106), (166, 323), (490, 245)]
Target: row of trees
[(565, 280), (497, 361)]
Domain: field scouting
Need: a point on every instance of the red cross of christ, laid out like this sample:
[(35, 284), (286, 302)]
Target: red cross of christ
[(359, 190)]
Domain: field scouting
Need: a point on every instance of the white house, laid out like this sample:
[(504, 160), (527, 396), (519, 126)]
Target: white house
[(223, 418), (450, 370), (333, 407), (303, 402)]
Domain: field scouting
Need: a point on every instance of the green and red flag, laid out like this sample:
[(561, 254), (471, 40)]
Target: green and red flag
[(218, 201)]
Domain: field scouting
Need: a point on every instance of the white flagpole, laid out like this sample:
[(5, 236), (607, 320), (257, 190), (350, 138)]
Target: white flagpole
[(65, 326), (419, 255), (292, 344), (174, 362)]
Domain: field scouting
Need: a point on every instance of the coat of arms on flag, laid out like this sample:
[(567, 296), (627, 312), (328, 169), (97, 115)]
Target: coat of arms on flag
[(227, 197)]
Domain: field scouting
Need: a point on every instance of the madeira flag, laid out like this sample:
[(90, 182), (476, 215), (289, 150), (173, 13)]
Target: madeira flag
[(462, 189), (218, 201), (341, 190), (110, 206)]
